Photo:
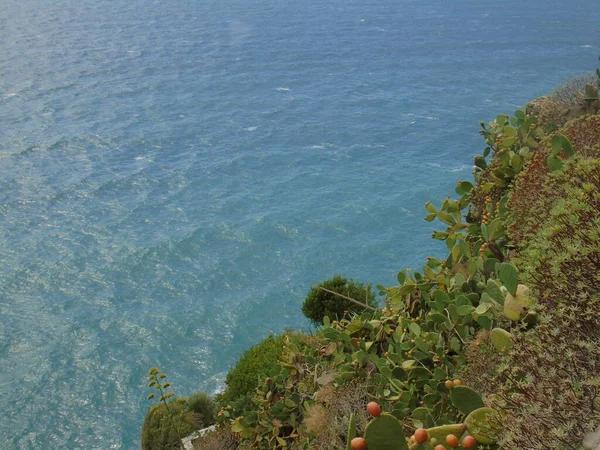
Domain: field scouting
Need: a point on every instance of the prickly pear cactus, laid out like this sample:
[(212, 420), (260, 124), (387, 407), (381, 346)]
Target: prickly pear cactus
[(515, 308), (384, 432), (351, 431), (465, 399), (479, 426), (501, 339), (440, 433)]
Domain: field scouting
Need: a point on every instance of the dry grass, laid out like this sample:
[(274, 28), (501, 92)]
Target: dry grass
[(571, 91), (334, 413)]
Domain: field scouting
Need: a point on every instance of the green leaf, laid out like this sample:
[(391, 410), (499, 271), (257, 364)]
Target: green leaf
[(484, 231), (465, 399), (517, 163), (501, 339), (508, 276), (446, 217), (554, 163), (441, 296), (430, 208), (485, 322), (437, 318), (430, 217), (480, 162), (385, 432), (561, 143), (401, 277), (464, 248), (479, 424), (482, 308), (509, 131), (415, 329), (465, 310), (455, 344), (493, 290), (463, 187)]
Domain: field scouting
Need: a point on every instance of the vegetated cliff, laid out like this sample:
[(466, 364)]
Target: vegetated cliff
[(499, 341)]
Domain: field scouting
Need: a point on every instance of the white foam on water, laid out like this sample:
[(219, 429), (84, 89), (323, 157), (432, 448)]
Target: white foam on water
[(283, 89)]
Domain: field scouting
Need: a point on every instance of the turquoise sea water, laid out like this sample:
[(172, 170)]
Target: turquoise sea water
[(175, 175)]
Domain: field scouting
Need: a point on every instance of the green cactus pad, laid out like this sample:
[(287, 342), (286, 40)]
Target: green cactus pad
[(479, 426), (385, 432), (465, 399), (501, 339), (442, 431), (351, 431)]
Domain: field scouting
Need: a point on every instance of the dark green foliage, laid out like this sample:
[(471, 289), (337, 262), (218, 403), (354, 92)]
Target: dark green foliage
[(319, 303), (203, 406), (165, 425), (256, 363)]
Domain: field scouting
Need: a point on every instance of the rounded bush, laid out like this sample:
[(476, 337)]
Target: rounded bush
[(204, 407), (319, 303), (164, 427), (256, 363)]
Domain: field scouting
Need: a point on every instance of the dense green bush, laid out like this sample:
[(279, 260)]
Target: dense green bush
[(320, 303), (255, 364), (203, 406), (164, 427)]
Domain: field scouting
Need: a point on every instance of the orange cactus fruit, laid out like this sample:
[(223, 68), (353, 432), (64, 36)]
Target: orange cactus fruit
[(452, 440), (358, 443), (374, 409), (449, 384), (439, 447), (456, 383), (469, 442), (421, 435)]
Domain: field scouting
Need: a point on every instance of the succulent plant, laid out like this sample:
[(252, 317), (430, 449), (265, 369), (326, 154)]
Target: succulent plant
[(351, 431), (479, 425), (501, 340), (385, 432), (516, 307)]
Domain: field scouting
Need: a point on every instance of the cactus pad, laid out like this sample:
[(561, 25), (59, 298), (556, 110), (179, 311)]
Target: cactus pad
[(501, 339), (385, 433), (516, 307), (442, 431), (479, 426), (465, 399), (351, 431)]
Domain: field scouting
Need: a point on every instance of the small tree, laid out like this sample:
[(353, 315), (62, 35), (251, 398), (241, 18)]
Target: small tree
[(322, 300)]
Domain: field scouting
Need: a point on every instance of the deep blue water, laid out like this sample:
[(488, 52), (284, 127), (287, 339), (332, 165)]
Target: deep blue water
[(175, 175)]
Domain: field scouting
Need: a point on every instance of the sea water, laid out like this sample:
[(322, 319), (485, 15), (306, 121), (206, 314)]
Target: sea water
[(174, 175)]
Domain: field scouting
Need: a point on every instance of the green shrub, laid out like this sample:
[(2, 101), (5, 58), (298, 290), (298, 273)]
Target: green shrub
[(320, 303), (203, 406), (165, 426), (256, 363)]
